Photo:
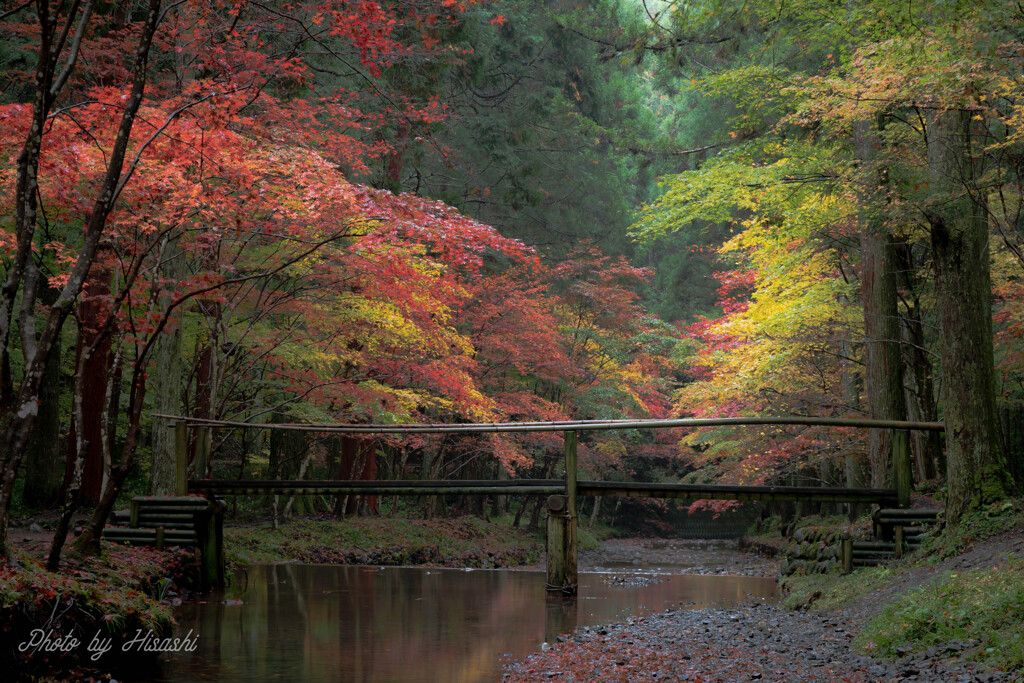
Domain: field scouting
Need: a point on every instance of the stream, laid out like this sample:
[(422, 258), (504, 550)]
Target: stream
[(294, 622)]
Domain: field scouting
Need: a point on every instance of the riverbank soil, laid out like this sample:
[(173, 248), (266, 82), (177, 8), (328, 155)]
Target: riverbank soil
[(392, 541), (818, 641)]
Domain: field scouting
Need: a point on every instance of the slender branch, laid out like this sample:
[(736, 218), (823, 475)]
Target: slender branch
[(76, 45), (16, 9)]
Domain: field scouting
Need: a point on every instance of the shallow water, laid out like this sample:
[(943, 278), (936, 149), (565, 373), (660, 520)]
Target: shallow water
[(351, 623)]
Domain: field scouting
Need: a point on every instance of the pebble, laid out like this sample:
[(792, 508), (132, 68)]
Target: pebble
[(764, 644)]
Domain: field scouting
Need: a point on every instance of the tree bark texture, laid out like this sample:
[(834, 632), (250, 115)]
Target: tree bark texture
[(882, 354), (165, 384), (976, 472), (95, 369), (16, 422), (45, 462)]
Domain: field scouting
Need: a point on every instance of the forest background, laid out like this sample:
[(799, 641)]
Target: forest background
[(442, 211)]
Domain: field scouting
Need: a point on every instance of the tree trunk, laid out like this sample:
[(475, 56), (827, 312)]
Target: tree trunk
[(976, 472), (95, 369), (17, 422), (165, 384), (919, 386), (44, 462), (883, 360)]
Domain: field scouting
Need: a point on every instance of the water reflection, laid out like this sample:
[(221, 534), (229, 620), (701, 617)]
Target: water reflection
[(328, 623)]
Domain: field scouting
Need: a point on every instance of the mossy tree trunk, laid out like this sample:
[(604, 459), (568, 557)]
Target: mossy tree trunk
[(976, 472)]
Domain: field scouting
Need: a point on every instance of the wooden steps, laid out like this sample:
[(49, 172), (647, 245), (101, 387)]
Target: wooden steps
[(897, 531), (160, 521)]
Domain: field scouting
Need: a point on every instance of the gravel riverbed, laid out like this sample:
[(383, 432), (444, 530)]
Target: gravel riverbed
[(756, 642)]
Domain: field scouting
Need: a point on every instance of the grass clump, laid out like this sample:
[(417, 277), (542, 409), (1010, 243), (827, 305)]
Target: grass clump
[(981, 609), (834, 591), (977, 526)]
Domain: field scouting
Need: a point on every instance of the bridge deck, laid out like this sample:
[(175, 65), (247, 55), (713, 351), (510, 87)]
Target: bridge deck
[(882, 497)]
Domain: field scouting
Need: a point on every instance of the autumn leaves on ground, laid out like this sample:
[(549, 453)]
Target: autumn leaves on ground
[(454, 211)]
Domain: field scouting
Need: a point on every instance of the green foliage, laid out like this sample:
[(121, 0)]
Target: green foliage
[(546, 139), (978, 526), (834, 591), (985, 606)]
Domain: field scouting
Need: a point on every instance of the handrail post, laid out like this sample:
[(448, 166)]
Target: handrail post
[(902, 470), (571, 547), (570, 470), (180, 458)]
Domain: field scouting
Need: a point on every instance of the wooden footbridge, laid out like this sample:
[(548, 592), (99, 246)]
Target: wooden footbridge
[(562, 493)]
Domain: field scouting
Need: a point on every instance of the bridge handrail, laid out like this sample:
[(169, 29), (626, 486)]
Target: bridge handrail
[(575, 425)]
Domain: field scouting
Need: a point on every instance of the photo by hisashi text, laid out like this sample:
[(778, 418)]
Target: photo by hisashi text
[(143, 641)]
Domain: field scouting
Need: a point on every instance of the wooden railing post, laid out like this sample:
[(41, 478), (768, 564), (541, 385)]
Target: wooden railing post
[(571, 547), (847, 555), (210, 541), (180, 458), (570, 470), (901, 466), (556, 543)]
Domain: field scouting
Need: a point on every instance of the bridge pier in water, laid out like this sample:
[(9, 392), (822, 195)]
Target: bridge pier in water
[(562, 548)]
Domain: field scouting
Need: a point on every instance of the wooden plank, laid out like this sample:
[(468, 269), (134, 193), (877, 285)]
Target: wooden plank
[(548, 487), (369, 488), (204, 484), (726, 492), (910, 513), (197, 501)]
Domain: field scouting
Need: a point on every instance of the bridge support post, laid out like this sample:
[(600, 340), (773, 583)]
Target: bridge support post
[(180, 459), (561, 547), (562, 521), (902, 470), (210, 542)]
